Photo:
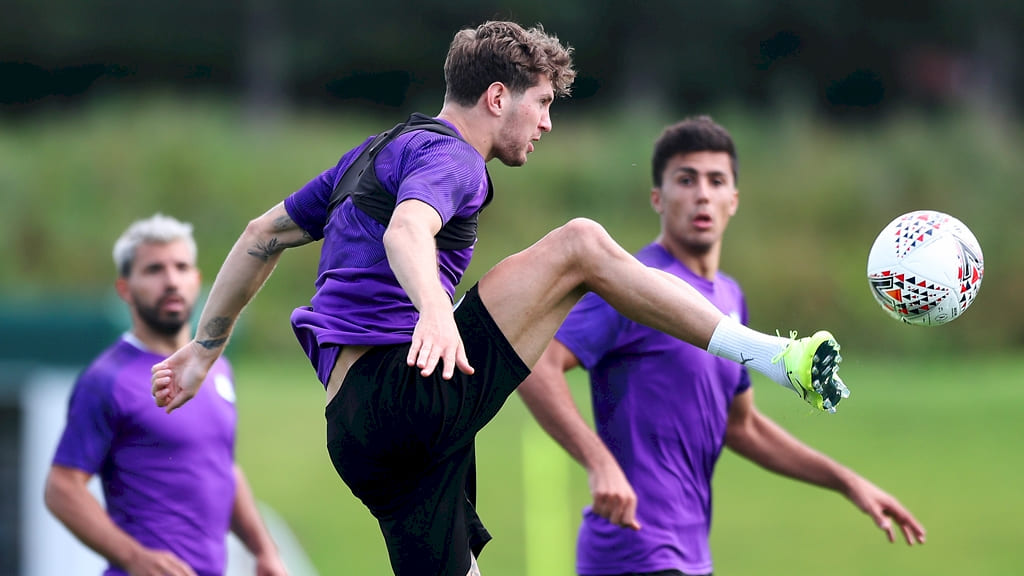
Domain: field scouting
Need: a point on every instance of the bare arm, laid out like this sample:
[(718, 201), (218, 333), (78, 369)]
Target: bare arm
[(248, 265), (546, 393), (250, 529), (68, 498), (412, 254), (759, 439)]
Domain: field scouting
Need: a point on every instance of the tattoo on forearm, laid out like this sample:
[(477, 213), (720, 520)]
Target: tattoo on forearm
[(212, 343), (217, 328)]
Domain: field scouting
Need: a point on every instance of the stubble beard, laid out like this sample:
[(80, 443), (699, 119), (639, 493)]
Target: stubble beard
[(163, 325)]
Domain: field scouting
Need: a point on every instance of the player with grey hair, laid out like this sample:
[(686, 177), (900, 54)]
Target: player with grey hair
[(157, 229), (159, 519)]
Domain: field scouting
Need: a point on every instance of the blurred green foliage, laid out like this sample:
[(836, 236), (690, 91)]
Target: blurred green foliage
[(813, 196)]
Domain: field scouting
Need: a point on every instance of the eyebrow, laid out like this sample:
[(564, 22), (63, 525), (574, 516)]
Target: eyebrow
[(693, 172)]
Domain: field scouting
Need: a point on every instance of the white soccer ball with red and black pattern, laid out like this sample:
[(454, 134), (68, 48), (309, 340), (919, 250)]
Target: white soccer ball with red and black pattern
[(925, 268)]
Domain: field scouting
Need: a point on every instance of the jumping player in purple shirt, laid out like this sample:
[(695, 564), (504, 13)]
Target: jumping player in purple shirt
[(397, 216), (663, 408), (171, 487)]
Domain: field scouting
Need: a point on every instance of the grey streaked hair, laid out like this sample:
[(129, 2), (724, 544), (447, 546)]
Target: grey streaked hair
[(157, 229)]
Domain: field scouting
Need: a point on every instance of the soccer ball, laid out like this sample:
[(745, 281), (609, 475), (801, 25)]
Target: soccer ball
[(925, 268)]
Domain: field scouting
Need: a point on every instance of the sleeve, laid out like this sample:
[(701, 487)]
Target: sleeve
[(444, 172), (308, 206), (92, 421), (591, 330)]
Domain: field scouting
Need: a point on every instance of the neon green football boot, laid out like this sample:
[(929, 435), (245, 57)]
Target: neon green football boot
[(812, 365)]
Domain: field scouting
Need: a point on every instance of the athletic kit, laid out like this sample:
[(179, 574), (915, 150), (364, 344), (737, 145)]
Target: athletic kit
[(168, 482), (661, 406), (403, 443)]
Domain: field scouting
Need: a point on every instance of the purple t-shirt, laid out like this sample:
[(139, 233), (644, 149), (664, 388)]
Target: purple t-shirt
[(661, 406), (358, 300), (168, 481)]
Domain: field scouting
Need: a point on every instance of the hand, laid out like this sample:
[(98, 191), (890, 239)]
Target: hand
[(436, 339), (270, 564), (177, 379), (147, 562), (614, 498), (885, 509)]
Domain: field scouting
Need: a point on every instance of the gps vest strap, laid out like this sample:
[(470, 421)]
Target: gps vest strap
[(360, 183)]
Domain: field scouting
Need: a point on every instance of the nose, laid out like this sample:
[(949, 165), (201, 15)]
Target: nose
[(702, 190), (545, 122)]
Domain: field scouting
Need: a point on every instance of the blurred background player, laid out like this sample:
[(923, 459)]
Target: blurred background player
[(663, 408), (171, 487)]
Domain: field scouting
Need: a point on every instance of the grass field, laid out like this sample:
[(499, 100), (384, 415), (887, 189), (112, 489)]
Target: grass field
[(941, 434)]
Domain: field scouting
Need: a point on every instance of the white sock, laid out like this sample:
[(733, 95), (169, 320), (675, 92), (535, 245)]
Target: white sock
[(734, 341)]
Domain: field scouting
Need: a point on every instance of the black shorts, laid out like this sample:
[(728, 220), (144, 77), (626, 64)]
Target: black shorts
[(404, 444)]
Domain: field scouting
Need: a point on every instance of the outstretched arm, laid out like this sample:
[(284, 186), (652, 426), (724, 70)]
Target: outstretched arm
[(250, 529), (67, 496), (546, 394), (246, 268), (759, 439)]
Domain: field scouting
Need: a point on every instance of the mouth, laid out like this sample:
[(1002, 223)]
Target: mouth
[(172, 304), (702, 221)]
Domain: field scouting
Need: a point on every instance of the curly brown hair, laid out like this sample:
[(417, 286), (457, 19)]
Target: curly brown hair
[(508, 53)]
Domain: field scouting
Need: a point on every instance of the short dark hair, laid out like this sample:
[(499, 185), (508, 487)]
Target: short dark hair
[(693, 134), (505, 52)]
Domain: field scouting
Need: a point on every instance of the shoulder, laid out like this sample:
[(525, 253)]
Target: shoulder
[(104, 371)]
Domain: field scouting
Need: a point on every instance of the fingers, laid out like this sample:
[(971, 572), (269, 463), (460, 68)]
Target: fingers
[(913, 531), (178, 399), (427, 356), (462, 362), (619, 509)]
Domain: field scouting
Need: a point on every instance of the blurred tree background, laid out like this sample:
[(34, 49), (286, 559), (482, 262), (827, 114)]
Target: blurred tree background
[(846, 114)]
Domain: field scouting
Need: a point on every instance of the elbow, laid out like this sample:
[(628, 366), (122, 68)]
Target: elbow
[(53, 495)]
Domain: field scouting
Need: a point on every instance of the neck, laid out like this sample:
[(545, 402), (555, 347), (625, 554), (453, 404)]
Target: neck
[(161, 343), (471, 126), (701, 263)]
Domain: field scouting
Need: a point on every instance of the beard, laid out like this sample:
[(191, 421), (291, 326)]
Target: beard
[(166, 325)]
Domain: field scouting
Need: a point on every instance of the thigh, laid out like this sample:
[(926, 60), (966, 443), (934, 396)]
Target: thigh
[(437, 531), (530, 293)]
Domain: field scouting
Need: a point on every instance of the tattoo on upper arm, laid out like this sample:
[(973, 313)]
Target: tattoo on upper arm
[(264, 250), (283, 223), (286, 227)]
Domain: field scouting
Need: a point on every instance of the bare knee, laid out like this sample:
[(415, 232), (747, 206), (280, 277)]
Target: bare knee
[(586, 243), (585, 240)]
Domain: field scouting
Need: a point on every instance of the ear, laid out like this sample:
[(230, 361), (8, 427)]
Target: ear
[(656, 199), (121, 285), (496, 98), (735, 203)]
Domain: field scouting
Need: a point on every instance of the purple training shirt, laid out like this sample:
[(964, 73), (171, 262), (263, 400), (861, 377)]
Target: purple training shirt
[(168, 482), (358, 300), (661, 406)]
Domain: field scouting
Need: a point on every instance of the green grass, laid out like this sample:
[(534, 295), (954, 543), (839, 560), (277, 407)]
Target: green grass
[(938, 434)]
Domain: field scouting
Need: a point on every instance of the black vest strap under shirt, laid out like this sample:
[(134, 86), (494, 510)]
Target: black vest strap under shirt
[(360, 183)]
